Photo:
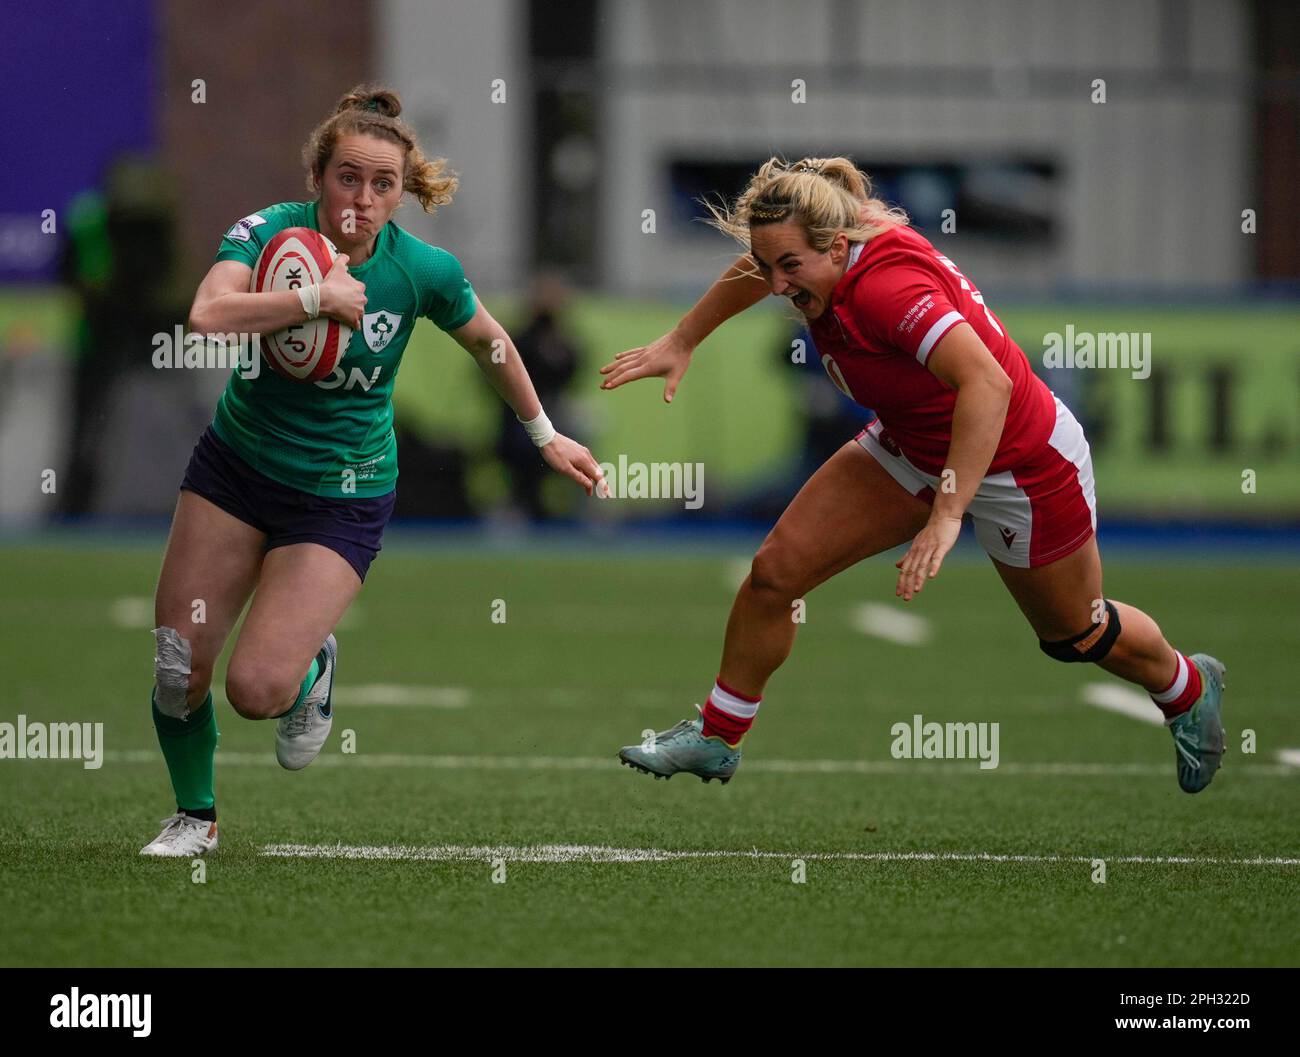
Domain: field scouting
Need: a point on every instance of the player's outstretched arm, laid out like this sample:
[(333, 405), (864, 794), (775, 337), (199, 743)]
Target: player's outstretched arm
[(487, 341), (737, 289)]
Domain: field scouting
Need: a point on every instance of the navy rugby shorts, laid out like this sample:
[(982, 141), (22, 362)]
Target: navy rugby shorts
[(352, 528)]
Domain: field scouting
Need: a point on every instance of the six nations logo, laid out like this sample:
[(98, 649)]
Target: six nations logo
[(242, 229)]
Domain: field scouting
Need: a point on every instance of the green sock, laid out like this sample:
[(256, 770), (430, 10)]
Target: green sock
[(308, 681), (190, 749)]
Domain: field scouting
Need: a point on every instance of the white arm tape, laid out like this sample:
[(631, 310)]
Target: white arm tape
[(539, 430), (310, 298)]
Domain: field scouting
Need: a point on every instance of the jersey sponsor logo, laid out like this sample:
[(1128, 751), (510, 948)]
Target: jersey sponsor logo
[(350, 379), (379, 328), (243, 229), (1008, 537)]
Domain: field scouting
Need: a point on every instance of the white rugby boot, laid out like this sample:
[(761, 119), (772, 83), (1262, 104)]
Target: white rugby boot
[(183, 837), (300, 736)]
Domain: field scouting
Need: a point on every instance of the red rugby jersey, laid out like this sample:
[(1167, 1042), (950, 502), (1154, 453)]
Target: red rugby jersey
[(886, 314)]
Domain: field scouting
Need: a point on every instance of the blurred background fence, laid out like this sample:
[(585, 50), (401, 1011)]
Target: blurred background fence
[(1109, 168)]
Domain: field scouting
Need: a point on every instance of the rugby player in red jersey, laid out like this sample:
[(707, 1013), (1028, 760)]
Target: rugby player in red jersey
[(964, 427)]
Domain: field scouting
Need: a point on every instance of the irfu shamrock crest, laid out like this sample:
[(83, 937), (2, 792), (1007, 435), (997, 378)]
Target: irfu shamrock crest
[(379, 328)]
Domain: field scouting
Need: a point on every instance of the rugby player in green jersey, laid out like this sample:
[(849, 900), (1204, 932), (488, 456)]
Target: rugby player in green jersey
[(288, 491)]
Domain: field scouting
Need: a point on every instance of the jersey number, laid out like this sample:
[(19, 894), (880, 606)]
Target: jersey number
[(975, 295)]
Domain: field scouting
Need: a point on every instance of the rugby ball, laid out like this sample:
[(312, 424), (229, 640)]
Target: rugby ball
[(307, 351)]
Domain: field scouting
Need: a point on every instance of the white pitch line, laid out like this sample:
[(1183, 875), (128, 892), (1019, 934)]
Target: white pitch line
[(597, 853), (891, 624), (132, 613), (392, 694), (136, 611), (1290, 757), (604, 763), (1116, 698)]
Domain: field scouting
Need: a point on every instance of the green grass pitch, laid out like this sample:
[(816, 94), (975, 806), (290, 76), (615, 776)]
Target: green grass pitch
[(517, 751)]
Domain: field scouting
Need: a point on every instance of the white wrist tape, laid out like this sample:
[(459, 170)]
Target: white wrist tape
[(539, 430), (310, 298)]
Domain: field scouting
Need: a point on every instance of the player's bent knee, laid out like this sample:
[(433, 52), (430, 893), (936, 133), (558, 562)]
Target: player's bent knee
[(258, 694), (1088, 646), (171, 672), (773, 575), (251, 701)]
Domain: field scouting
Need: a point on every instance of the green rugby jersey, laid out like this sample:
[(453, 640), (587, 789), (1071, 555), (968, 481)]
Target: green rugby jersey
[(335, 437)]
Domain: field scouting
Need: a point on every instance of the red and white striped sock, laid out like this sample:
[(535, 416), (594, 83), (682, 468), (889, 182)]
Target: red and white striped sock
[(728, 714), (1181, 694)]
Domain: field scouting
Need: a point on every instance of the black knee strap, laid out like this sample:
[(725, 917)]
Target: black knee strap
[(1091, 645)]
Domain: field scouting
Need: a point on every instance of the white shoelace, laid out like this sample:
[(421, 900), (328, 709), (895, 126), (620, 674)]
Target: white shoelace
[(299, 722), (1192, 761), (176, 828)]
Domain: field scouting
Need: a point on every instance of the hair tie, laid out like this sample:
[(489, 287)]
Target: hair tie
[(372, 105)]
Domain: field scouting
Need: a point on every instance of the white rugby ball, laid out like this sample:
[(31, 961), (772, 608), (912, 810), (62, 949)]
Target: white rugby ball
[(307, 351)]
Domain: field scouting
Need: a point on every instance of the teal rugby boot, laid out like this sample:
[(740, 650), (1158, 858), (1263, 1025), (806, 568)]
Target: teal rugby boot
[(1198, 732), (683, 748)]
